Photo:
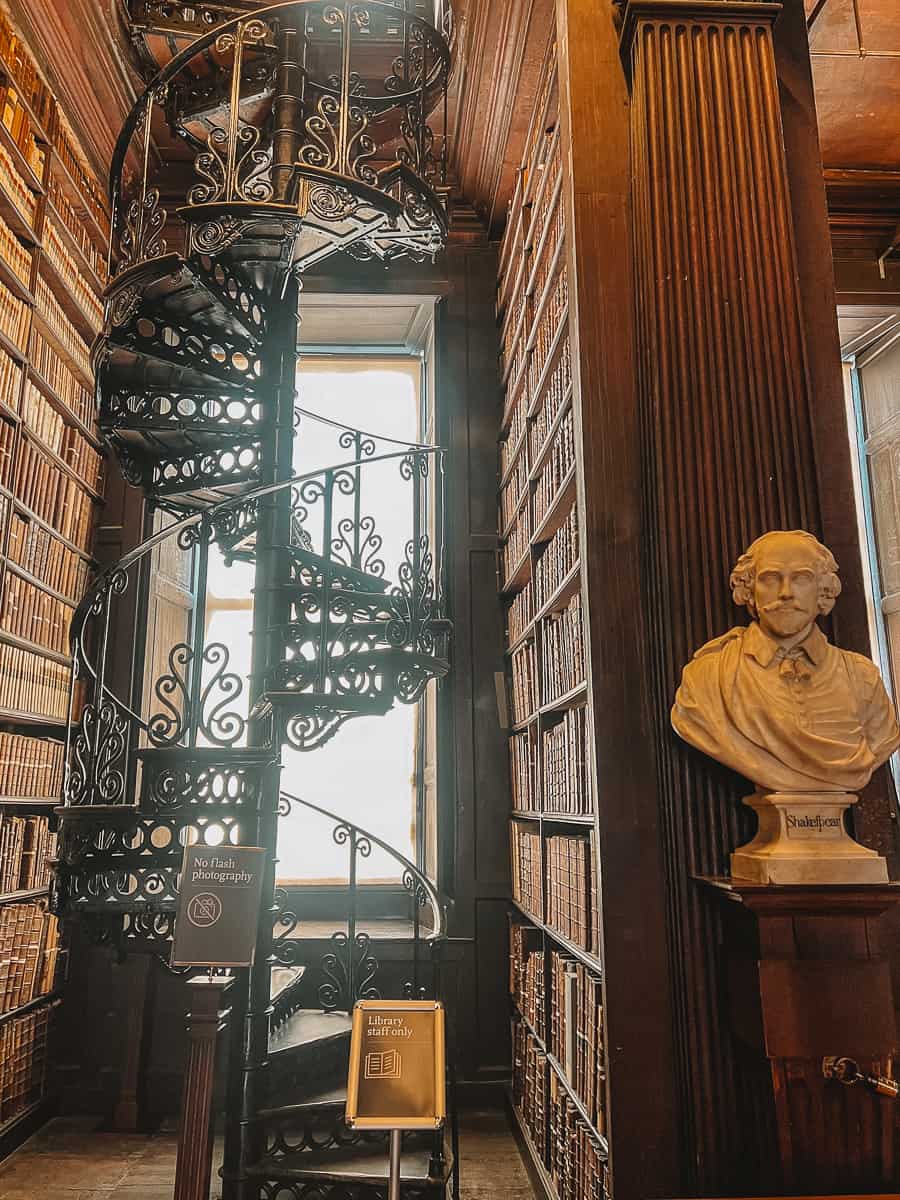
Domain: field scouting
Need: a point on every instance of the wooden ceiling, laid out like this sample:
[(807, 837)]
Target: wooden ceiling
[(498, 48)]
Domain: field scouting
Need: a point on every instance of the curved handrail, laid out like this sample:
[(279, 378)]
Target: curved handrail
[(364, 434), (106, 581), (174, 66), (412, 876)]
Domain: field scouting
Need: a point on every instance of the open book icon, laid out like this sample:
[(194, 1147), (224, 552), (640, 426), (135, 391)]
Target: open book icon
[(383, 1064)]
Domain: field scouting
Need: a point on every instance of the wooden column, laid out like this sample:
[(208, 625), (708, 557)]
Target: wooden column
[(206, 1017), (741, 430)]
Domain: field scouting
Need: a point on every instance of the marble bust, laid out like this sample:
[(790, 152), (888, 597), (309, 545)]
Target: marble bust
[(775, 700), (805, 721)]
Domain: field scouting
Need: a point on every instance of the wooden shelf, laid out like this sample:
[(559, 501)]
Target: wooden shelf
[(29, 801), (16, 219), (558, 510), (520, 575), (13, 639), (563, 594), (19, 570), (544, 297), (26, 171), (514, 458), (32, 515), (67, 414), (552, 151), (29, 1006), (541, 246), (584, 956), (568, 700), (62, 173), (526, 635), (557, 1068), (21, 896), (584, 819), (18, 716), (14, 283), (544, 452), (48, 333), (71, 305), (549, 365), (519, 505), (61, 464), (517, 814), (513, 395), (12, 349), (521, 726), (75, 249)]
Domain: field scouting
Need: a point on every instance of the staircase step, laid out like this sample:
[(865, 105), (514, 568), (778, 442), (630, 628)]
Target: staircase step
[(284, 978), (352, 1164), (326, 1097), (309, 1028)]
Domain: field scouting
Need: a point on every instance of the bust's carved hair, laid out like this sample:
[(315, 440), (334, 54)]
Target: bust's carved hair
[(743, 576)]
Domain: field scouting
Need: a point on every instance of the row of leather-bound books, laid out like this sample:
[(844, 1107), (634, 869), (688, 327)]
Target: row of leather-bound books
[(577, 1039), (576, 1162), (526, 975), (14, 315), (559, 781), (572, 907), (30, 766), (44, 556), (67, 214), (55, 316), (563, 662), (14, 254), (530, 1086), (61, 378), (26, 848), (28, 84), (67, 442), (55, 496), (34, 685), (30, 958), (556, 469), (558, 558), (33, 614), (23, 1061), (23, 199), (59, 254)]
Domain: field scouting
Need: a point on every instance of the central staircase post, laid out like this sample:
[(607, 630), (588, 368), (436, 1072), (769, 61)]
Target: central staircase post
[(249, 1051)]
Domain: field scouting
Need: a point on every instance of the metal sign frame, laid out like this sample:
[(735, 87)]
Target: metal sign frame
[(434, 1113)]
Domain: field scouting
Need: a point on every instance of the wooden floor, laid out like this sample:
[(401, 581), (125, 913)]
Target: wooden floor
[(69, 1160)]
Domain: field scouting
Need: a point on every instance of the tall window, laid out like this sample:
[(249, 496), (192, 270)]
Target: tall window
[(871, 346), (372, 771)]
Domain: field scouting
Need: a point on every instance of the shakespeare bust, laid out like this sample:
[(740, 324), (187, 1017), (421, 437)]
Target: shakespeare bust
[(805, 721)]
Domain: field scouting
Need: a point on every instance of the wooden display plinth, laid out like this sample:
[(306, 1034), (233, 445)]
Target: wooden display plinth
[(805, 980)]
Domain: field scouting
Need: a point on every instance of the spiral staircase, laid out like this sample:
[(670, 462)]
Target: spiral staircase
[(266, 143)]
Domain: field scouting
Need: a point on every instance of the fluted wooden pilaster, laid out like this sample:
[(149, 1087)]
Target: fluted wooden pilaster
[(729, 450), (206, 1018)]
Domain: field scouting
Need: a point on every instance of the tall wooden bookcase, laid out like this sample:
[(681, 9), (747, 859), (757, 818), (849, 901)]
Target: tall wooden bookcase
[(53, 237), (556, 968)]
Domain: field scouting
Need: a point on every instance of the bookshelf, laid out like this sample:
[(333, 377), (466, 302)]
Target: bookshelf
[(558, 1093), (53, 238)]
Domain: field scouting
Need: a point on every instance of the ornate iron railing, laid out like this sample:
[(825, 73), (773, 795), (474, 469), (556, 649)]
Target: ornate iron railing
[(291, 108), (197, 695), (349, 966)]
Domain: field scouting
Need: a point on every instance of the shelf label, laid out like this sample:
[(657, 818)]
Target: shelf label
[(397, 1065), (218, 906)]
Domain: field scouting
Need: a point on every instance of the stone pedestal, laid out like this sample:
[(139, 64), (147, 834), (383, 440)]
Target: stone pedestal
[(802, 838)]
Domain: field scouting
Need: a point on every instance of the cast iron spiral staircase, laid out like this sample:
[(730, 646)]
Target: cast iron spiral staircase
[(302, 142)]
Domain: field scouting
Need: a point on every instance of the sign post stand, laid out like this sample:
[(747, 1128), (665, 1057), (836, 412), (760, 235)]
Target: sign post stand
[(394, 1175), (397, 1076)]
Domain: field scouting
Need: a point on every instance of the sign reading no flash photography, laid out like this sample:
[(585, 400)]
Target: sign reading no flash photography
[(218, 906)]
